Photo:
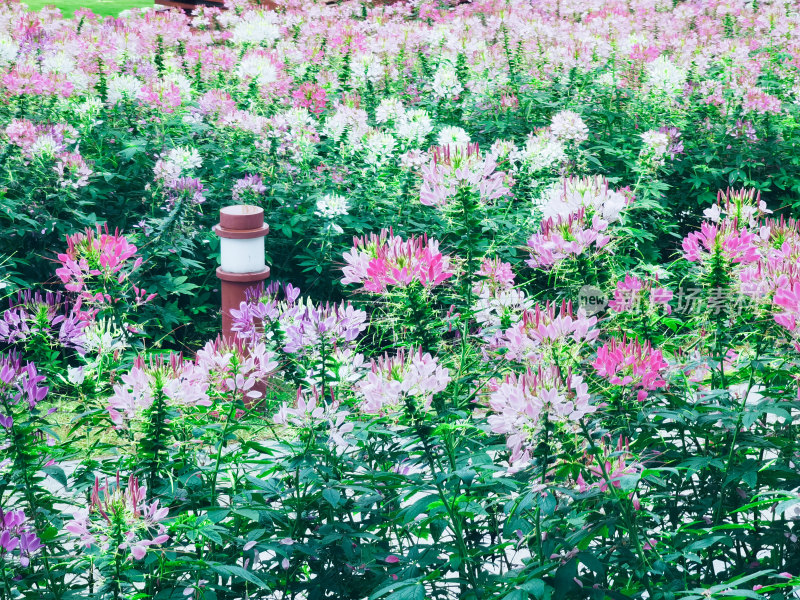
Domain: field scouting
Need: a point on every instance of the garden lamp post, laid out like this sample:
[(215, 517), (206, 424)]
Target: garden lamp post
[(241, 230)]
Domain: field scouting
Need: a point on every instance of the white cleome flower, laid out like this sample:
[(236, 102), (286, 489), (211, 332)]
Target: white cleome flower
[(102, 337), (654, 146), (258, 67), (256, 28), (453, 137), (378, 146), (8, 50), (664, 77), (184, 157), (592, 193), (122, 87), (332, 205), (390, 109), (60, 62), (45, 145), (541, 151), (414, 126), (568, 126), (445, 82)]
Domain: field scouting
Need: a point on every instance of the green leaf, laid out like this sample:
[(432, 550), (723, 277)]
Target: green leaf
[(414, 590), (535, 587), (591, 561), (709, 541), (217, 515), (334, 497), (56, 473), (236, 571)]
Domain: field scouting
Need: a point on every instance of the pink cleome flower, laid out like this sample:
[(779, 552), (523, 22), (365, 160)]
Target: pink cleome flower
[(562, 237), (404, 375), (726, 239), (631, 364), (383, 261), (99, 256), (450, 171), (499, 276), (629, 295), (543, 329), (311, 96), (608, 470), (521, 404), (142, 523), (184, 383)]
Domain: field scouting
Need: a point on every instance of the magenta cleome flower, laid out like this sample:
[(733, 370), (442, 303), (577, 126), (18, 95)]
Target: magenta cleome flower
[(384, 261), (631, 294), (629, 363), (98, 258), (311, 96), (726, 239)]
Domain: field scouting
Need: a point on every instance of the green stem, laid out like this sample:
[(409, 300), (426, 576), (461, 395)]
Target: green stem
[(465, 559), (624, 502), (220, 446)]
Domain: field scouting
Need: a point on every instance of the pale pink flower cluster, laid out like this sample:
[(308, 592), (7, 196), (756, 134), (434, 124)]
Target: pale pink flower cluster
[(179, 380), (307, 326), (176, 163), (219, 369), (498, 276), (394, 380), (383, 261), (522, 405), (744, 206), (142, 522), (630, 363), (561, 238), (593, 194), (234, 366), (453, 169), (631, 294), (543, 331), (51, 142), (314, 413), (498, 303), (40, 139), (292, 134)]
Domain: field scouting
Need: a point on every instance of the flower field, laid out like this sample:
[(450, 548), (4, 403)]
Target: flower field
[(532, 328)]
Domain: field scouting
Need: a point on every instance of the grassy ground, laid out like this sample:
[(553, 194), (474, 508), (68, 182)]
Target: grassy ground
[(99, 7)]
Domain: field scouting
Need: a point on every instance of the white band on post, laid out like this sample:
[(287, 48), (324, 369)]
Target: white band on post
[(242, 255)]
